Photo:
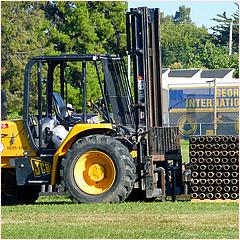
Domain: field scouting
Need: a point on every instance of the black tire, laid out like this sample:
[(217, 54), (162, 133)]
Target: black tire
[(12, 194), (123, 163)]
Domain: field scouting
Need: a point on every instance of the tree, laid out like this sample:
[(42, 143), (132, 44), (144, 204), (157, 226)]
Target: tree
[(183, 15), (221, 31), (21, 39)]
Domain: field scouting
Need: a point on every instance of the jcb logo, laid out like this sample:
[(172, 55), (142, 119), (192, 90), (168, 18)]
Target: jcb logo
[(40, 167)]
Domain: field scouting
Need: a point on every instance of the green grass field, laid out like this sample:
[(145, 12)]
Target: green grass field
[(56, 217)]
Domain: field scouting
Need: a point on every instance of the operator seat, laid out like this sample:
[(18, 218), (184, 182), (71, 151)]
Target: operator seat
[(61, 111)]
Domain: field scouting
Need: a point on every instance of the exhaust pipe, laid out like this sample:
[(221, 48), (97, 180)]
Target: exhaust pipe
[(203, 181), (218, 195), (219, 174), (210, 174), (234, 196), (210, 181), (218, 189)]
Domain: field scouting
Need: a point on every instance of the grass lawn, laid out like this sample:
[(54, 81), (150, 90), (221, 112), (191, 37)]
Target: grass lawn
[(57, 218)]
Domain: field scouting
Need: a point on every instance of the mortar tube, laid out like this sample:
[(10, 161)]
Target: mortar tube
[(193, 139), (203, 181), (209, 160), (193, 146), (217, 160), (234, 188), (201, 146), (217, 139), (234, 181), (203, 189), (225, 138), (226, 174), (218, 195), (210, 181), (209, 146), (203, 167), (208, 153), (232, 146), (234, 167), (216, 153), (234, 196), (226, 181), (202, 174), (218, 167), (225, 167), (209, 139), (210, 195), (210, 167), (195, 167), (194, 188), (201, 139), (227, 188), (218, 181), (232, 153), (200, 153), (226, 195), (202, 195), (216, 146), (234, 174), (210, 174), (224, 146), (224, 153), (195, 181), (233, 160), (193, 160), (218, 189), (192, 153), (210, 188), (224, 160), (194, 195), (233, 139), (218, 174), (201, 160), (194, 174)]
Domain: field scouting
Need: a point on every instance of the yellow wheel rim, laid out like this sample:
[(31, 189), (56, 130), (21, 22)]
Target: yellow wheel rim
[(94, 172)]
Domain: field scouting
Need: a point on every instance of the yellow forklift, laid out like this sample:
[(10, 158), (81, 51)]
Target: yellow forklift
[(127, 153)]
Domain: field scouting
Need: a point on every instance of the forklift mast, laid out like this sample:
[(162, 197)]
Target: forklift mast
[(159, 146)]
